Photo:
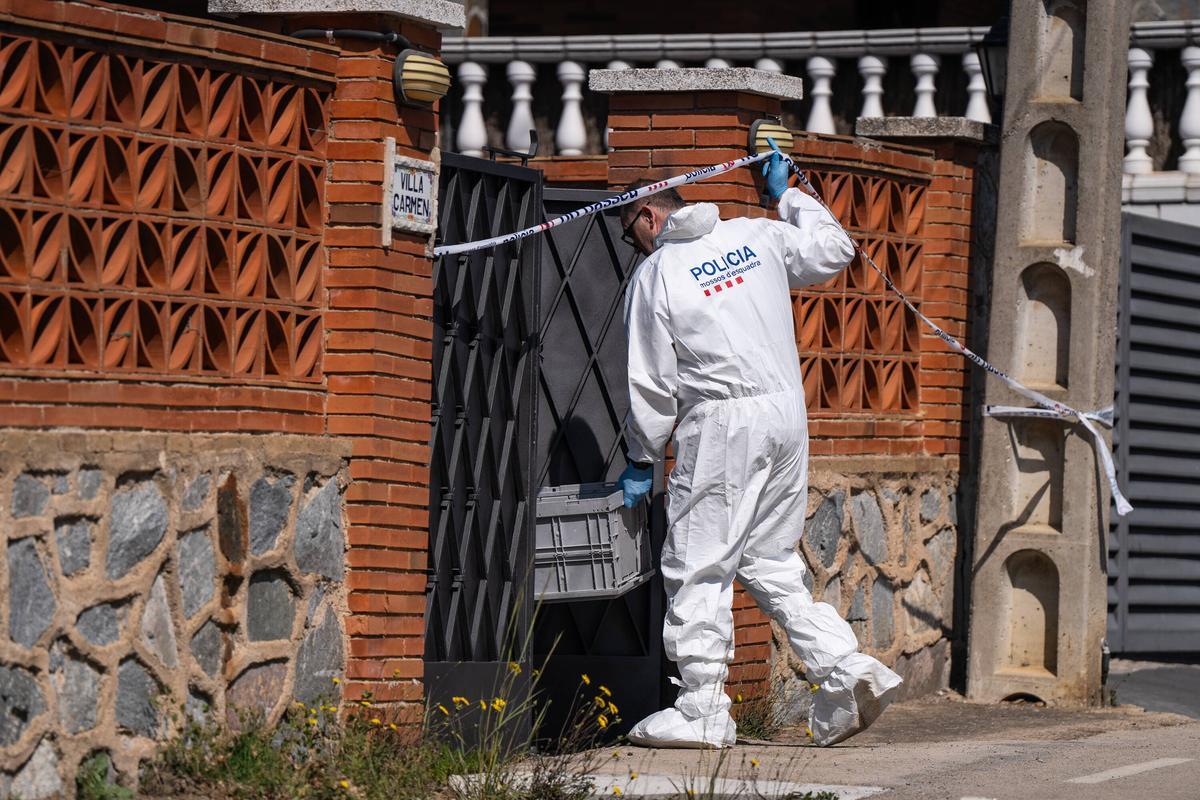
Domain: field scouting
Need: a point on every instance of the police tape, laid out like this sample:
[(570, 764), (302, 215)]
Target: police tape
[(1050, 408), (608, 202)]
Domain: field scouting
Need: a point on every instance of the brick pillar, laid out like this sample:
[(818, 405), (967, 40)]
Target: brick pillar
[(378, 366), (666, 122)]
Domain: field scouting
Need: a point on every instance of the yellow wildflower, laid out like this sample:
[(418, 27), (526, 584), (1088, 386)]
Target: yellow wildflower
[(633, 776), (482, 704), (396, 672), (392, 725), (460, 701), (298, 704), (537, 673), (616, 753), (754, 762), (612, 709), (336, 681), (312, 712), (809, 732), (499, 703), (599, 701), (607, 693), (814, 687), (376, 721), (737, 698), (312, 720), (586, 680), (617, 791), (514, 668), (365, 703), (344, 784), (443, 709), (603, 720)]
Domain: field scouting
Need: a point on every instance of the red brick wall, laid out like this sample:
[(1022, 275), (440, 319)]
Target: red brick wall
[(362, 368), (876, 381)]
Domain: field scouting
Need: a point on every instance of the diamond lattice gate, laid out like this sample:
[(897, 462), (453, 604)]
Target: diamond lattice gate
[(506, 423), (582, 399), (478, 607)]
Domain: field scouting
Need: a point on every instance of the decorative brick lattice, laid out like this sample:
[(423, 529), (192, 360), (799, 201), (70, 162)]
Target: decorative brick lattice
[(859, 346), (158, 216)]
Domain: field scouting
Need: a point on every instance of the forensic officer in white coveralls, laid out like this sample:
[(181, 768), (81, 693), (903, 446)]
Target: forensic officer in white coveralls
[(712, 359)]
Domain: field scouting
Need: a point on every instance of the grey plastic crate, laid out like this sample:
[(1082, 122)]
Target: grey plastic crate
[(588, 545)]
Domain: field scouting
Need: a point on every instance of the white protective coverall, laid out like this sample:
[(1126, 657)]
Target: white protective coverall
[(712, 345)]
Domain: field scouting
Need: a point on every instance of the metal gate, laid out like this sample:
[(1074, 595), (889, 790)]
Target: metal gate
[(478, 605), (582, 400), (1154, 552)]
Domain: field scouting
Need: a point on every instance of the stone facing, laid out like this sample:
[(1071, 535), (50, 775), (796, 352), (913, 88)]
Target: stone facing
[(439, 13), (697, 79), (124, 613), (881, 548)]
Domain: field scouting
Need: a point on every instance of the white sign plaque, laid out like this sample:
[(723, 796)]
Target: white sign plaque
[(410, 202)]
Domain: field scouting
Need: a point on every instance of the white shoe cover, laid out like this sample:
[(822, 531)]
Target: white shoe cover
[(851, 698), (671, 728)]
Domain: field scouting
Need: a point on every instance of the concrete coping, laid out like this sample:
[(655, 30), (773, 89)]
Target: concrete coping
[(697, 79), (956, 128), (441, 14)]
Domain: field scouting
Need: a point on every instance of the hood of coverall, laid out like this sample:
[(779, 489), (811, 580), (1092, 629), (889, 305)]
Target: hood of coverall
[(689, 222)]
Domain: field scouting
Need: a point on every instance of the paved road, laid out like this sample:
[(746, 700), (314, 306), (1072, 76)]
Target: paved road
[(948, 748), (1158, 687)]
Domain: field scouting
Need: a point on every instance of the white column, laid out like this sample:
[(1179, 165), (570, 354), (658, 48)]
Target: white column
[(872, 69), (925, 69), (521, 75), (820, 118), (1139, 123), (769, 65), (571, 136), (977, 102), (717, 63), (1189, 120), (667, 63), (613, 65), (472, 131)]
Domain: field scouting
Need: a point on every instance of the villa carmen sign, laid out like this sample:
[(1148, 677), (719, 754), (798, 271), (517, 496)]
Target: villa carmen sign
[(410, 203)]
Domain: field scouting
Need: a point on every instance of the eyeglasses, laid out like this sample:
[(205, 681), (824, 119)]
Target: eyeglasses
[(627, 235)]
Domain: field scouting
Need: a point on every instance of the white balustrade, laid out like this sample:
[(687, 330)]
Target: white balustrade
[(977, 102), (925, 69), (573, 56), (820, 117), (472, 131), (1189, 120), (872, 69), (571, 136), (1139, 122), (521, 75)]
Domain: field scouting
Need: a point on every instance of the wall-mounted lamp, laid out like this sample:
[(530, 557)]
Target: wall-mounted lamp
[(420, 79), (763, 129), (993, 62)]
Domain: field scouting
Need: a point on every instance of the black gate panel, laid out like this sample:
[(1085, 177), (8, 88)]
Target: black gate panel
[(479, 605), (1154, 552), (582, 399)]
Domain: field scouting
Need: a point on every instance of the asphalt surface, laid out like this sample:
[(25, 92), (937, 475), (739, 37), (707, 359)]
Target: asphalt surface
[(946, 747)]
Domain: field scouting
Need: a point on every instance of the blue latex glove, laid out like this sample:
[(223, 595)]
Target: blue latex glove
[(777, 172), (636, 482)]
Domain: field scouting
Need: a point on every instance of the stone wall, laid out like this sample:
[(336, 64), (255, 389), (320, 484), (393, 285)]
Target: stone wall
[(153, 577), (881, 548)]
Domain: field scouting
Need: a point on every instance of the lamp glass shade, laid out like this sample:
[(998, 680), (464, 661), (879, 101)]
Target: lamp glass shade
[(420, 80)]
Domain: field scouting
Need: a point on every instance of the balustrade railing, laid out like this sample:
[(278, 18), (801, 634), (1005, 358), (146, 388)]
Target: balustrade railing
[(901, 72), (921, 72)]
